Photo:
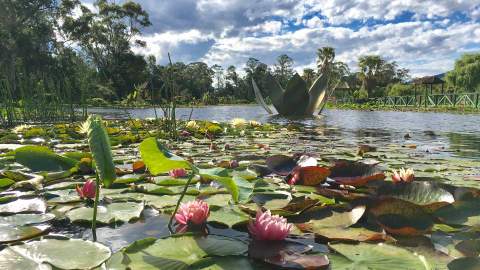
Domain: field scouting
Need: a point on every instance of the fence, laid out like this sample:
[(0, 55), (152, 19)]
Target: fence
[(465, 100)]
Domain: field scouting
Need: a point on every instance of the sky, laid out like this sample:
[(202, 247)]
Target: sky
[(425, 36)]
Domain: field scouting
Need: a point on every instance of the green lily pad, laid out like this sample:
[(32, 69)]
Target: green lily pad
[(229, 216), (182, 251), (18, 233), (112, 213), (24, 205), (40, 158), (376, 256), (467, 263), (423, 193), (402, 217), (25, 219), (460, 213), (62, 254), (157, 158)]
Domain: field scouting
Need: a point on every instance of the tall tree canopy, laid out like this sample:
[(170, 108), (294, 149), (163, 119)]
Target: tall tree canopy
[(466, 73)]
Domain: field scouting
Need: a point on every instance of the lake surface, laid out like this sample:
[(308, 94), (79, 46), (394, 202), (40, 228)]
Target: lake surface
[(345, 119), (456, 133)]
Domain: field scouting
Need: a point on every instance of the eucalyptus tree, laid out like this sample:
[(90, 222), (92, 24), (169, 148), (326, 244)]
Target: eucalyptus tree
[(283, 69), (105, 35)]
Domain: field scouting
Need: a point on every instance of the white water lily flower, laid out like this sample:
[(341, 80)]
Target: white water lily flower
[(403, 175), (192, 125), (83, 127), (254, 123), (238, 123), (21, 128)]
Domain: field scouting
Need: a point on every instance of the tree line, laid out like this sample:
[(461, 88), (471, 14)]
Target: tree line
[(61, 52)]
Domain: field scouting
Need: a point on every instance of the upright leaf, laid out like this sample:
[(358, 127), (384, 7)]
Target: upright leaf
[(101, 151), (317, 94), (158, 159), (296, 97)]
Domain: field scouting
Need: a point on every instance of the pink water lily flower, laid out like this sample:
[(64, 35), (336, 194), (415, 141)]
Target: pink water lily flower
[(193, 212), (88, 190), (176, 173), (268, 227), (403, 175)]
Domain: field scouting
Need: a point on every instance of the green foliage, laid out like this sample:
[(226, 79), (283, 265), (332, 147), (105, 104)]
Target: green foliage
[(157, 158), (400, 89), (101, 152), (360, 95), (40, 158), (466, 73)]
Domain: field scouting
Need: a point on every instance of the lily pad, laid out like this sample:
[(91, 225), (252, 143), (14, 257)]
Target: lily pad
[(229, 216), (281, 164), (112, 213), (25, 219), (24, 205), (18, 233), (460, 213), (377, 256), (182, 252), (427, 194), (355, 173), (158, 159), (40, 158), (62, 254), (467, 263), (402, 217), (287, 254)]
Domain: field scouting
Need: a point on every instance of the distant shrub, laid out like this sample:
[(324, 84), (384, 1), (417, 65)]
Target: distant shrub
[(399, 89), (97, 102), (360, 95), (209, 99)]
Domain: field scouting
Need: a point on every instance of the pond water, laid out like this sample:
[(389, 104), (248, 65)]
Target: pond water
[(443, 149), (458, 132)]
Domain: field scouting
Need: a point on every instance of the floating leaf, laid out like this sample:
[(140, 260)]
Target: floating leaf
[(18, 233), (376, 256), (311, 175), (182, 251), (287, 254), (355, 173), (40, 158), (326, 217), (229, 215), (281, 164), (460, 213), (61, 254), (427, 194), (402, 217), (157, 158), (112, 213), (468, 263), (24, 205)]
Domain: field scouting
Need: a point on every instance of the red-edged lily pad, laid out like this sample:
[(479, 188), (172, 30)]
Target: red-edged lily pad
[(309, 176), (401, 217), (281, 164), (355, 173), (287, 255)]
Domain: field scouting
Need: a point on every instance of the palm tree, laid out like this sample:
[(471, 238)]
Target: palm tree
[(371, 69), (308, 76), (325, 55)]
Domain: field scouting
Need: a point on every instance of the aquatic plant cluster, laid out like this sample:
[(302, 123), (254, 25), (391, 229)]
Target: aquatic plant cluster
[(239, 195)]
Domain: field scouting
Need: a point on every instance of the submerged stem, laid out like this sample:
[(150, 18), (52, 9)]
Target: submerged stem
[(190, 177), (95, 205)]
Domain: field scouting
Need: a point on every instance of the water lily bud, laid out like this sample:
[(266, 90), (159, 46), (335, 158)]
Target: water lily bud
[(88, 190), (233, 164), (176, 173)]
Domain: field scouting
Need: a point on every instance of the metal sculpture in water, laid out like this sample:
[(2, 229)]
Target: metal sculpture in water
[(296, 99)]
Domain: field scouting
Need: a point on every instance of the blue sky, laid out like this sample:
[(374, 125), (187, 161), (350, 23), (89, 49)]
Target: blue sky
[(425, 36)]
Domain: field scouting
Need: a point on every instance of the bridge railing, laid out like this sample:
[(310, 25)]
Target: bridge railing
[(466, 100)]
